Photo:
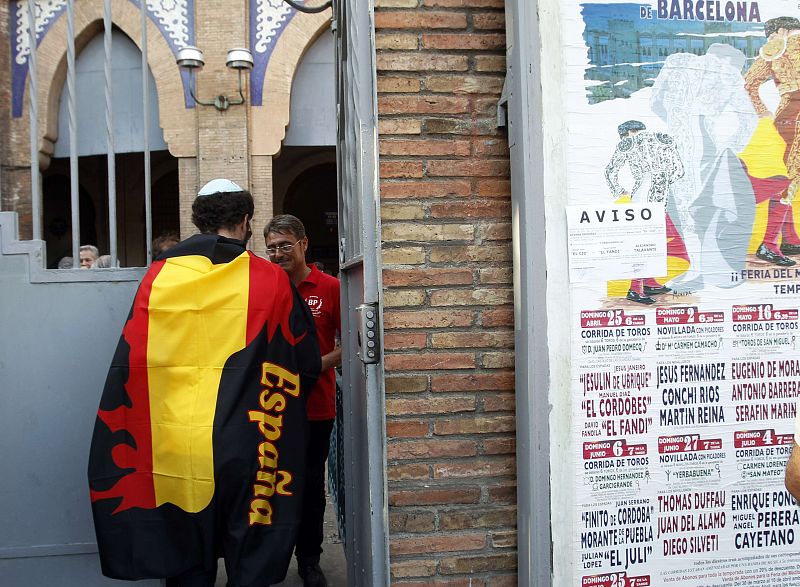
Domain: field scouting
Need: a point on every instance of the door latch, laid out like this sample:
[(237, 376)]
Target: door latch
[(369, 345)]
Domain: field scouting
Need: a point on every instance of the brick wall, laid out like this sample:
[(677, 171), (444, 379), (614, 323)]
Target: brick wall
[(445, 209)]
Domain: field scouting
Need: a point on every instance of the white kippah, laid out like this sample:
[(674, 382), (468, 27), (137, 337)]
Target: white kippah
[(218, 186)]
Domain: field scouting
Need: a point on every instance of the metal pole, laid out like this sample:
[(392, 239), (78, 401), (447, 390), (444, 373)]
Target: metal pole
[(112, 176), (73, 137), (33, 89), (148, 214)]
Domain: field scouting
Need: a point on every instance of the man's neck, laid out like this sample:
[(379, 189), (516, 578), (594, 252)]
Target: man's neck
[(298, 276)]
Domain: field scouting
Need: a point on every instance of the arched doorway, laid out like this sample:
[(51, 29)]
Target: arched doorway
[(128, 132)]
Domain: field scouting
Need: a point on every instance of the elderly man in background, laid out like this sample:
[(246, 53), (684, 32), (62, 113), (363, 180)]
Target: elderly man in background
[(88, 255)]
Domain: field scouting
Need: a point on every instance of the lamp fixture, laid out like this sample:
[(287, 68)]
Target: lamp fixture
[(191, 58)]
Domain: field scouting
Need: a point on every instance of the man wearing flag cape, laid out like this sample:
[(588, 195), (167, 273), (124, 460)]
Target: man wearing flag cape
[(198, 449)]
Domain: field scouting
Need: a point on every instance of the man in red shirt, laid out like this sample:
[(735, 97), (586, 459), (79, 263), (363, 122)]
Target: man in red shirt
[(287, 243)]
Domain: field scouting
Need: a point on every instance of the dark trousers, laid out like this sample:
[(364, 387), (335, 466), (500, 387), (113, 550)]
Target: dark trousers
[(308, 545), (194, 578)]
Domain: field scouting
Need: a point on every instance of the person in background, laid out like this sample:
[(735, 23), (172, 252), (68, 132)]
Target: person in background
[(65, 263), (88, 255), (286, 241), (164, 242), (102, 262)]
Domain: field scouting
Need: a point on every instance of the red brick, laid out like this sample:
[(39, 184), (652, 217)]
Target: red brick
[(464, 84), (490, 63), (404, 450), (470, 168), (408, 472), (398, 61), (406, 384), (412, 19), (398, 84), (507, 539), (448, 126), (503, 494), (497, 360), (465, 41), (425, 361), (405, 340), (477, 564), (401, 169), (496, 231), (499, 446), (412, 522), (425, 189), (474, 209), (465, 519), (485, 253), (393, 104), (501, 402), (493, 188), (490, 147), (501, 275), (418, 407), (480, 467), (435, 496), (468, 297), (424, 147), (413, 568), (426, 318), (485, 107), (395, 42), (433, 582), (438, 543), (491, 21), (497, 317), (483, 339), (423, 277), (475, 425), (502, 380), (407, 428)]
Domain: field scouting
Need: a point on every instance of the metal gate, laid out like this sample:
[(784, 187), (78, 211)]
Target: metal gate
[(363, 428), (59, 330)]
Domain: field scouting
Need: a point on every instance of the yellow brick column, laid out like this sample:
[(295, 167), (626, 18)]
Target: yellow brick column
[(222, 137), (261, 187)]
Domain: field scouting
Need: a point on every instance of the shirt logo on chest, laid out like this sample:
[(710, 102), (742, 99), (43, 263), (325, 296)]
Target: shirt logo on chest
[(315, 304)]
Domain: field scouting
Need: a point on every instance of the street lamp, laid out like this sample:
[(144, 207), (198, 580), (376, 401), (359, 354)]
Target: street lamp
[(191, 58)]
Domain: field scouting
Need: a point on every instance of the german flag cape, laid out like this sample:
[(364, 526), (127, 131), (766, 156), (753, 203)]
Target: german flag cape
[(199, 443)]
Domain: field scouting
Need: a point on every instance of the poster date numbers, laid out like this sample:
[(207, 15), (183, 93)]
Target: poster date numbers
[(607, 318), (687, 315), (612, 448), (615, 580), (758, 438), (761, 313), (687, 443)]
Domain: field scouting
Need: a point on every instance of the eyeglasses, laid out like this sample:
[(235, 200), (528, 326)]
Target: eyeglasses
[(285, 249)]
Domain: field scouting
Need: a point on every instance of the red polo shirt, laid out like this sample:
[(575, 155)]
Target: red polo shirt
[(321, 293)]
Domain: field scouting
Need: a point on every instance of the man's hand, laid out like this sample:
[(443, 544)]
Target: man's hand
[(792, 479), (332, 359)]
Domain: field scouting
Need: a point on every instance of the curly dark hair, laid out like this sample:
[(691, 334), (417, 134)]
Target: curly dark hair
[(221, 210), (782, 22)]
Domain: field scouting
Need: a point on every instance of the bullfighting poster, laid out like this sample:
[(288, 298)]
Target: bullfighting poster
[(685, 380)]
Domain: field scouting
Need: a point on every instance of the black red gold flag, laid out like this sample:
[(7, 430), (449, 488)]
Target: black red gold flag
[(198, 449)]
